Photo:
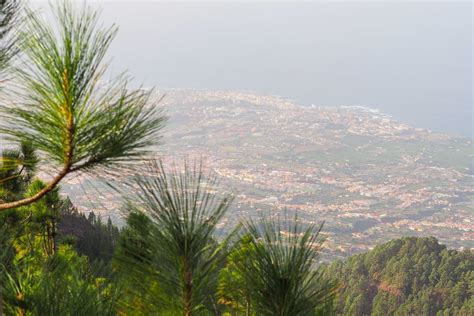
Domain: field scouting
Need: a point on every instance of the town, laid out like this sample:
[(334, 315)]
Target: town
[(368, 177)]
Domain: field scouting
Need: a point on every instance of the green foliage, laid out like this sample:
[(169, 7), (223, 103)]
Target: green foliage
[(89, 235), (408, 276), (60, 80), (43, 217), (233, 292), (40, 275), (133, 261), (276, 269), (17, 167), (181, 252), (9, 19), (75, 121), (58, 285)]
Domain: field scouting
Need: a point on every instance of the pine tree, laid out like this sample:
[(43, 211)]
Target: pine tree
[(279, 272), (76, 122), (180, 211)]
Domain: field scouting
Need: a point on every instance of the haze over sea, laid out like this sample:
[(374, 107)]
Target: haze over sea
[(411, 60)]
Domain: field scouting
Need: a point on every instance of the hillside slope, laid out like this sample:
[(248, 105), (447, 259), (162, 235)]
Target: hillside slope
[(407, 276)]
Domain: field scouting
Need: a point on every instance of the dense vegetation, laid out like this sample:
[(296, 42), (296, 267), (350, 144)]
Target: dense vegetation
[(61, 119), (408, 276), (167, 259)]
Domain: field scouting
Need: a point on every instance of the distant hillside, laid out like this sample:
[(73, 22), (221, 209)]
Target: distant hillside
[(89, 235), (408, 276)]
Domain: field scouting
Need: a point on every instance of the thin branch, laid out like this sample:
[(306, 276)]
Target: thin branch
[(51, 185)]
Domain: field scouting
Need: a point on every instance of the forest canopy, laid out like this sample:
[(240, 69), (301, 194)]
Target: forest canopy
[(407, 276)]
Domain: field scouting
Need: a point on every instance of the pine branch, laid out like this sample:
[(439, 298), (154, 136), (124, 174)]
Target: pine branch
[(75, 121)]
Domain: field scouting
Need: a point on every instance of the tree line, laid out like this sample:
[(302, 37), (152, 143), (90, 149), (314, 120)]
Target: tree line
[(407, 276)]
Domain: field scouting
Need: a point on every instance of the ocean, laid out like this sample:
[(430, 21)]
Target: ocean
[(410, 60)]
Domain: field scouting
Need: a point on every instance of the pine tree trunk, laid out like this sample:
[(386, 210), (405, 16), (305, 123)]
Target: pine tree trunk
[(188, 290), (1, 303)]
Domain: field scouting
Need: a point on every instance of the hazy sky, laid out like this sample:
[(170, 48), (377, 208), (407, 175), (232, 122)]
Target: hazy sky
[(411, 60)]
